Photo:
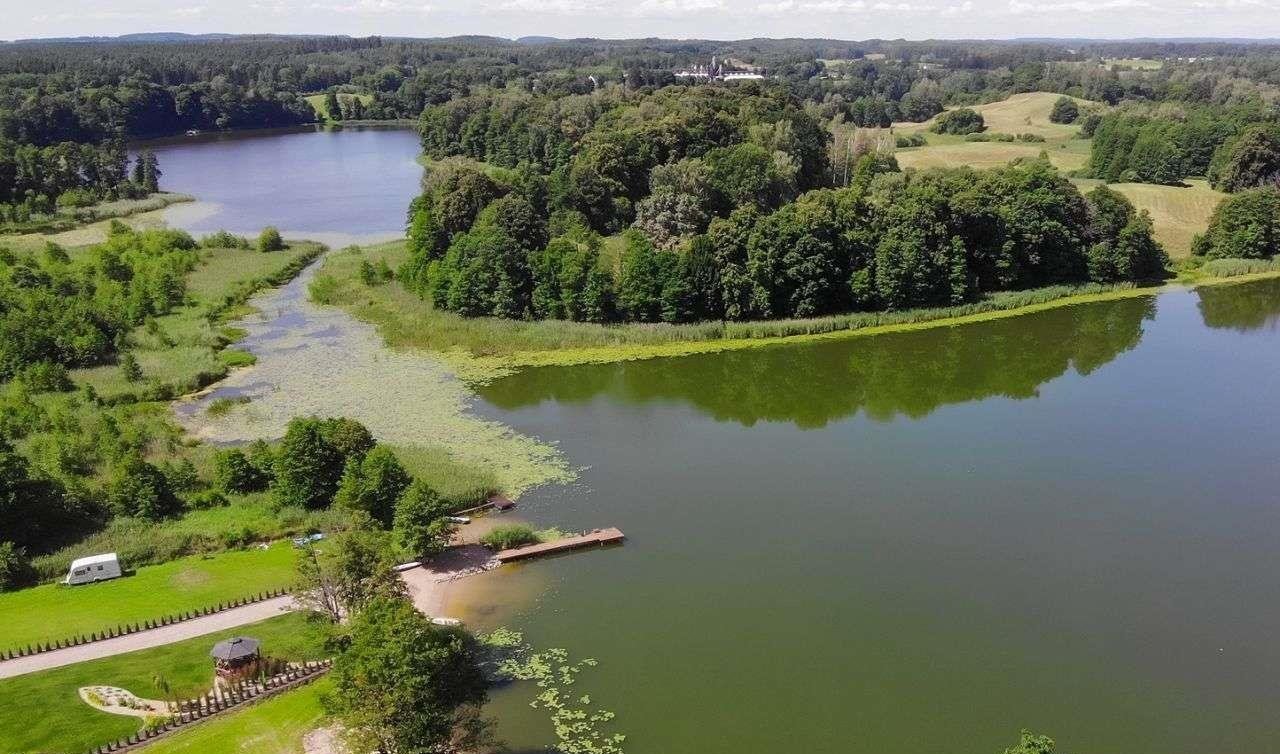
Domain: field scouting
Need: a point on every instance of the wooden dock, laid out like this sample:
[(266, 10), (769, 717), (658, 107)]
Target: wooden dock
[(495, 502), (595, 537)]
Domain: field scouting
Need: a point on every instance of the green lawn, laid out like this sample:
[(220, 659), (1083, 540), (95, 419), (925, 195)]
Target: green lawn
[(49, 716), (54, 611), (275, 726)]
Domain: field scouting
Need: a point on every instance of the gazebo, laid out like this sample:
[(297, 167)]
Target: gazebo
[(236, 657)]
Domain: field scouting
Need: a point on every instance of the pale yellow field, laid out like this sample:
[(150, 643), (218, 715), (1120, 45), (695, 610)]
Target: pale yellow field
[(990, 154), (1020, 114), (1179, 213)]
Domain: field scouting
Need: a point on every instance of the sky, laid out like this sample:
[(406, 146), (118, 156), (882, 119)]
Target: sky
[(706, 19)]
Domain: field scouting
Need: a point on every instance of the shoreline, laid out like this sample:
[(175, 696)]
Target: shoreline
[(613, 354), (408, 324)]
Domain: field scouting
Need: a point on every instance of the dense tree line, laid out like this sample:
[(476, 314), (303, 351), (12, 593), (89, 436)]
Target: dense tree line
[(1237, 147), (1245, 225), (37, 181), (84, 92), (64, 313), (711, 241)]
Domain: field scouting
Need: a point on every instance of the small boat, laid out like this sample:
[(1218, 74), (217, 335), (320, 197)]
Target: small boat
[(193, 132), (457, 519), (449, 622)]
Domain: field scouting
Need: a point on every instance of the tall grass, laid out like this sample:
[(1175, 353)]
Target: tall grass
[(463, 484), (404, 320), (186, 349), (68, 218), (139, 543), (1230, 268)]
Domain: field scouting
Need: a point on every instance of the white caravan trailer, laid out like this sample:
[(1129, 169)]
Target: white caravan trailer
[(93, 568)]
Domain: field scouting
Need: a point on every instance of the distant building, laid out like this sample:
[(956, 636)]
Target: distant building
[(720, 71)]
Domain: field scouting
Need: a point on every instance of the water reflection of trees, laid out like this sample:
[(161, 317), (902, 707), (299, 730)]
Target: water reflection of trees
[(1244, 307), (883, 376)]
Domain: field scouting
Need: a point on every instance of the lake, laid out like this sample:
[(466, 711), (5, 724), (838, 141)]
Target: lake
[(338, 186), (923, 542)]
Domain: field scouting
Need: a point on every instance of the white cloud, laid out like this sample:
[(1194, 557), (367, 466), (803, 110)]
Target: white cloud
[(1076, 6), (834, 7), (374, 7)]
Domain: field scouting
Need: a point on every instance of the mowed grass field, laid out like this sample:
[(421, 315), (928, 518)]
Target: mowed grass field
[(43, 712), (55, 611), (1178, 213), (275, 726)]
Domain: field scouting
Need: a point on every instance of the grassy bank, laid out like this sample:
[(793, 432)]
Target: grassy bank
[(275, 726), (45, 713), (483, 348), (74, 217), (187, 349), (54, 611)]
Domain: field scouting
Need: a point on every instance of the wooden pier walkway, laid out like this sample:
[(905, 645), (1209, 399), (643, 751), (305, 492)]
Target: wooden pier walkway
[(595, 537)]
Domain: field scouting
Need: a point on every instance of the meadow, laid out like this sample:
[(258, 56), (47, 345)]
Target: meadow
[(1020, 114), (317, 102), (52, 718), (55, 611), (1178, 213)]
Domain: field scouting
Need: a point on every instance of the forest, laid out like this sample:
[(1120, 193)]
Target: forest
[(734, 211), (506, 101)]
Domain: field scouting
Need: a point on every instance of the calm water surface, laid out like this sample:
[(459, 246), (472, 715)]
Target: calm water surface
[(337, 186), (924, 542), (914, 543)]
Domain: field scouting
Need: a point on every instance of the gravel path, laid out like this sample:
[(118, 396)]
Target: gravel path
[(236, 616)]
